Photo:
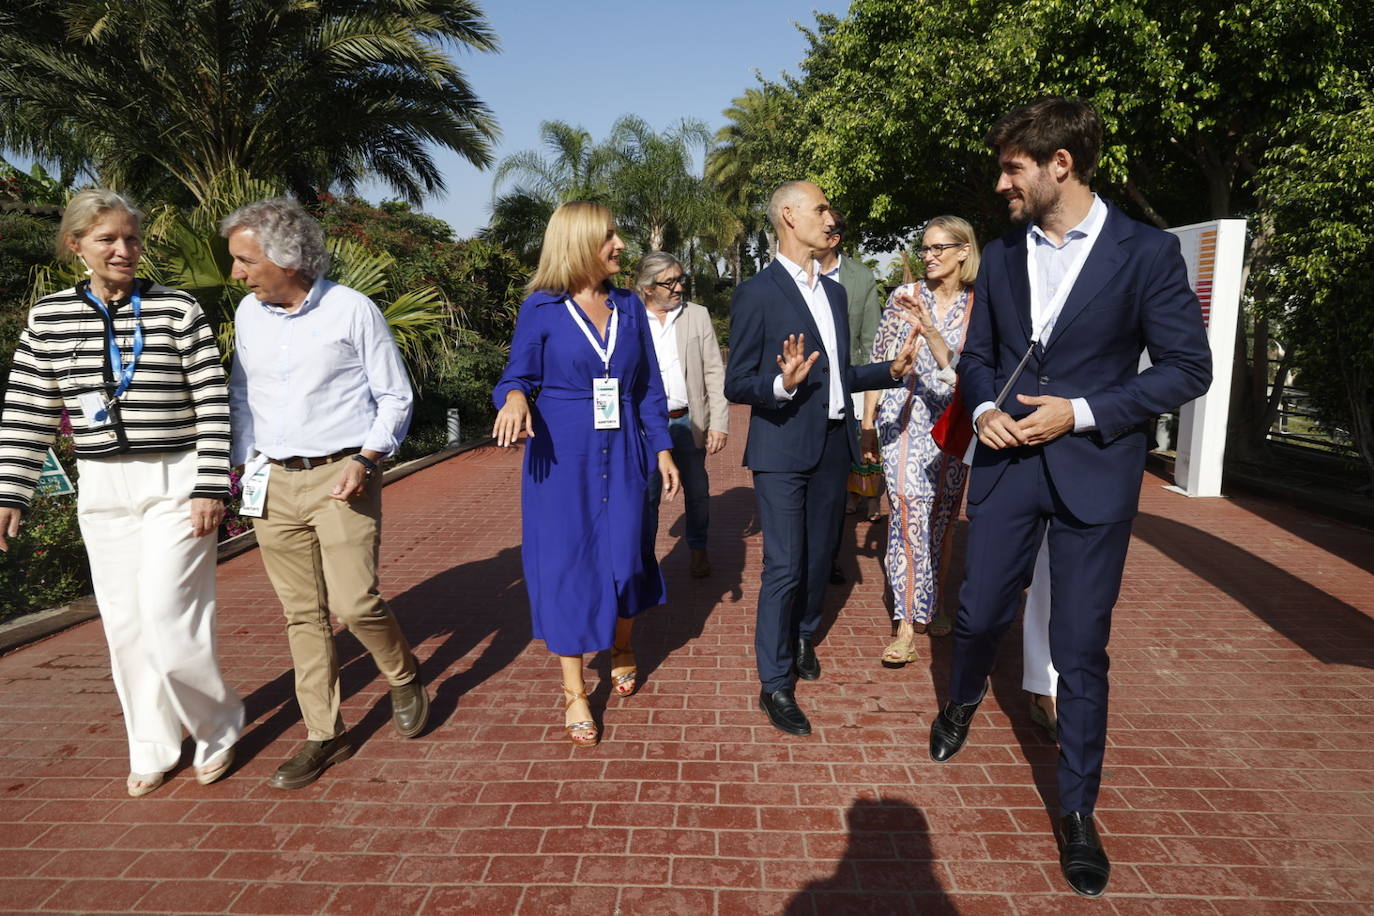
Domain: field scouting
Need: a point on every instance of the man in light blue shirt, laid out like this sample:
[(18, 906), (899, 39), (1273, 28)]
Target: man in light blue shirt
[(318, 395)]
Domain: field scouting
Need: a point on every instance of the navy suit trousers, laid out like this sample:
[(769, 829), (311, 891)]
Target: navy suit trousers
[(799, 512), (1086, 562)]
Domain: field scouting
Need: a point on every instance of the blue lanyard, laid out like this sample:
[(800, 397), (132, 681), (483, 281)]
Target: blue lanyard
[(123, 374)]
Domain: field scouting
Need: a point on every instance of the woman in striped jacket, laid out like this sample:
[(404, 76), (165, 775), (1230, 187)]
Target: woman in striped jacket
[(136, 367)]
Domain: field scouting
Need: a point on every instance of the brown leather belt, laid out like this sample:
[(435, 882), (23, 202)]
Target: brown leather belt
[(677, 414), (305, 464)]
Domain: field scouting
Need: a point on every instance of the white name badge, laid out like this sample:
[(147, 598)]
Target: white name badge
[(255, 478), (606, 403), (95, 410)]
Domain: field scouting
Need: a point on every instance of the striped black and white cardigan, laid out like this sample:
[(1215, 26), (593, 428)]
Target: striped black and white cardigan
[(176, 402)]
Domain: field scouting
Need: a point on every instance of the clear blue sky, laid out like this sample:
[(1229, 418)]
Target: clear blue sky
[(588, 63)]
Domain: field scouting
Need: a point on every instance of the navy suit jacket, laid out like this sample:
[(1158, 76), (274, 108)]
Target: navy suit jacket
[(1131, 295), (790, 435)]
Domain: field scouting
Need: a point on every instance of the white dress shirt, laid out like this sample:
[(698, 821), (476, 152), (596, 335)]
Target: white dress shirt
[(818, 303), (1053, 263), (669, 365), (317, 380)]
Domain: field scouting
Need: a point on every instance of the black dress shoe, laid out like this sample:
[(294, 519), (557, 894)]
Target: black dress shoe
[(410, 708), (950, 728), (311, 761), (783, 712), (1081, 856), (807, 664)]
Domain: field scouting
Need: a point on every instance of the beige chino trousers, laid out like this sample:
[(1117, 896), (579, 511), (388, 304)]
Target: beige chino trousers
[(321, 557)]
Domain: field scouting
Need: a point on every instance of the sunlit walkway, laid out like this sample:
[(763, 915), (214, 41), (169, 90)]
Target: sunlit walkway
[(1240, 777)]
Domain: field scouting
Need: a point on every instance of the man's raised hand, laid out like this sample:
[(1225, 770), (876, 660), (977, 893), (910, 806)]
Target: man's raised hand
[(794, 364), (906, 357)]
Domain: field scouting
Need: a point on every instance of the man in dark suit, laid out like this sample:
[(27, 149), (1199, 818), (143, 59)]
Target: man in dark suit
[(802, 436), (1065, 306)]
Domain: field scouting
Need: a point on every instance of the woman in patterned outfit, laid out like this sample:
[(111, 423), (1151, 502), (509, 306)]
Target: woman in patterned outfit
[(923, 483)]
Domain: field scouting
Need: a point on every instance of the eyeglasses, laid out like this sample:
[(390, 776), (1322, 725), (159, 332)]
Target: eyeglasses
[(679, 280), (937, 250)]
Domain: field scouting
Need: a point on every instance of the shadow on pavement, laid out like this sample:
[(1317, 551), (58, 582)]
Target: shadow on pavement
[(464, 604), (1325, 627), (1352, 544), (664, 630), (886, 867)]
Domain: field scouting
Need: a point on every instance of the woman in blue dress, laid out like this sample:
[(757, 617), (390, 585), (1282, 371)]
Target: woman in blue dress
[(597, 430)]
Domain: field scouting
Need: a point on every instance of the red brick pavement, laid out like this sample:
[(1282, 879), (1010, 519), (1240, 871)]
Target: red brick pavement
[(1240, 776)]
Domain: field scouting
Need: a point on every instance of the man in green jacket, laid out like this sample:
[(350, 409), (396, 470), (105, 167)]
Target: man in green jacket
[(864, 310)]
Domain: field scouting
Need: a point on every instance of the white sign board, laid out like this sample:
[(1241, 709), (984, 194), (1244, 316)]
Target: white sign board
[(1214, 252)]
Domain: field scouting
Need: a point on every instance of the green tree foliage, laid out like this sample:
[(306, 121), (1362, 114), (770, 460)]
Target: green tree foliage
[(165, 97), (571, 167), (750, 157), (651, 180), (1320, 189), (902, 92), (479, 281)]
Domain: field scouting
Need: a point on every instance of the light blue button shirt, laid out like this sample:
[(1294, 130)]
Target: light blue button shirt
[(1052, 263), (311, 382)]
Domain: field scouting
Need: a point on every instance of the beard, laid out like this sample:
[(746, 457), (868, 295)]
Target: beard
[(1037, 200)]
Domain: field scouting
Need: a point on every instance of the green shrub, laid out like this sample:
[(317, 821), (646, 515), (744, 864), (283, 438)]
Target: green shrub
[(46, 564), (464, 379)]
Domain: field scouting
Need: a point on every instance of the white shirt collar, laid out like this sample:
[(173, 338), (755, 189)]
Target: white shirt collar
[(798, 273), (1090, 225), (673, 314)]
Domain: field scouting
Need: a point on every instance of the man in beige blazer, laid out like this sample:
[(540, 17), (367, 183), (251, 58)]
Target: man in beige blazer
[(694, 380)]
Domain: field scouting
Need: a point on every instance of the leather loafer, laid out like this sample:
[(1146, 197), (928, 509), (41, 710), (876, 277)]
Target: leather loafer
[(409, 708), (807, 664), (782, 710), (1081, 856), (950, 728), (701, 564), (312, 760)]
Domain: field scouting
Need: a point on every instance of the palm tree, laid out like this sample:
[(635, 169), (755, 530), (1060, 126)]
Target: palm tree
[(573, 167), (654, 187), (162, 95), (745, 162)]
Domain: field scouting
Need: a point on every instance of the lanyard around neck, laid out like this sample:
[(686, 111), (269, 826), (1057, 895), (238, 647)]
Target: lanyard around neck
[(123, 374), (1056, 304), (603, 352)]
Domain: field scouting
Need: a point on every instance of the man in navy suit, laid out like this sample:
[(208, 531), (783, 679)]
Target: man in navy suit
[(1065, 306), (802, 436)]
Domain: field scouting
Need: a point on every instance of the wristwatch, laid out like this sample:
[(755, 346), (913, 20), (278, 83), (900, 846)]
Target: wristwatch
[(368, 464)]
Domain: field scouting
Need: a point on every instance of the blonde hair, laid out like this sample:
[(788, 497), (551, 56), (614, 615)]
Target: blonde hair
[(84, 210), (960, 230), (572, 243)]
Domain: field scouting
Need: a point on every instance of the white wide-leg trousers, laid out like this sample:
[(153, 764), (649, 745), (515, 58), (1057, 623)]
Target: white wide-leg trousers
[(155, 585), (1037, 670)]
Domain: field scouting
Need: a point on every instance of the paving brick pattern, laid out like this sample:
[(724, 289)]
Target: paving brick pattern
[(1240, 776)]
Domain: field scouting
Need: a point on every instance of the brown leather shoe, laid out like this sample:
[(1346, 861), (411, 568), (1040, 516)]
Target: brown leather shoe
[(410, 708), (312, 760), (701, 564)]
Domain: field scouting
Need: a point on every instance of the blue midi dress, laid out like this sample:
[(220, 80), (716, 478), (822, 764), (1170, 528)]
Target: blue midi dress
[(588, 547)]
